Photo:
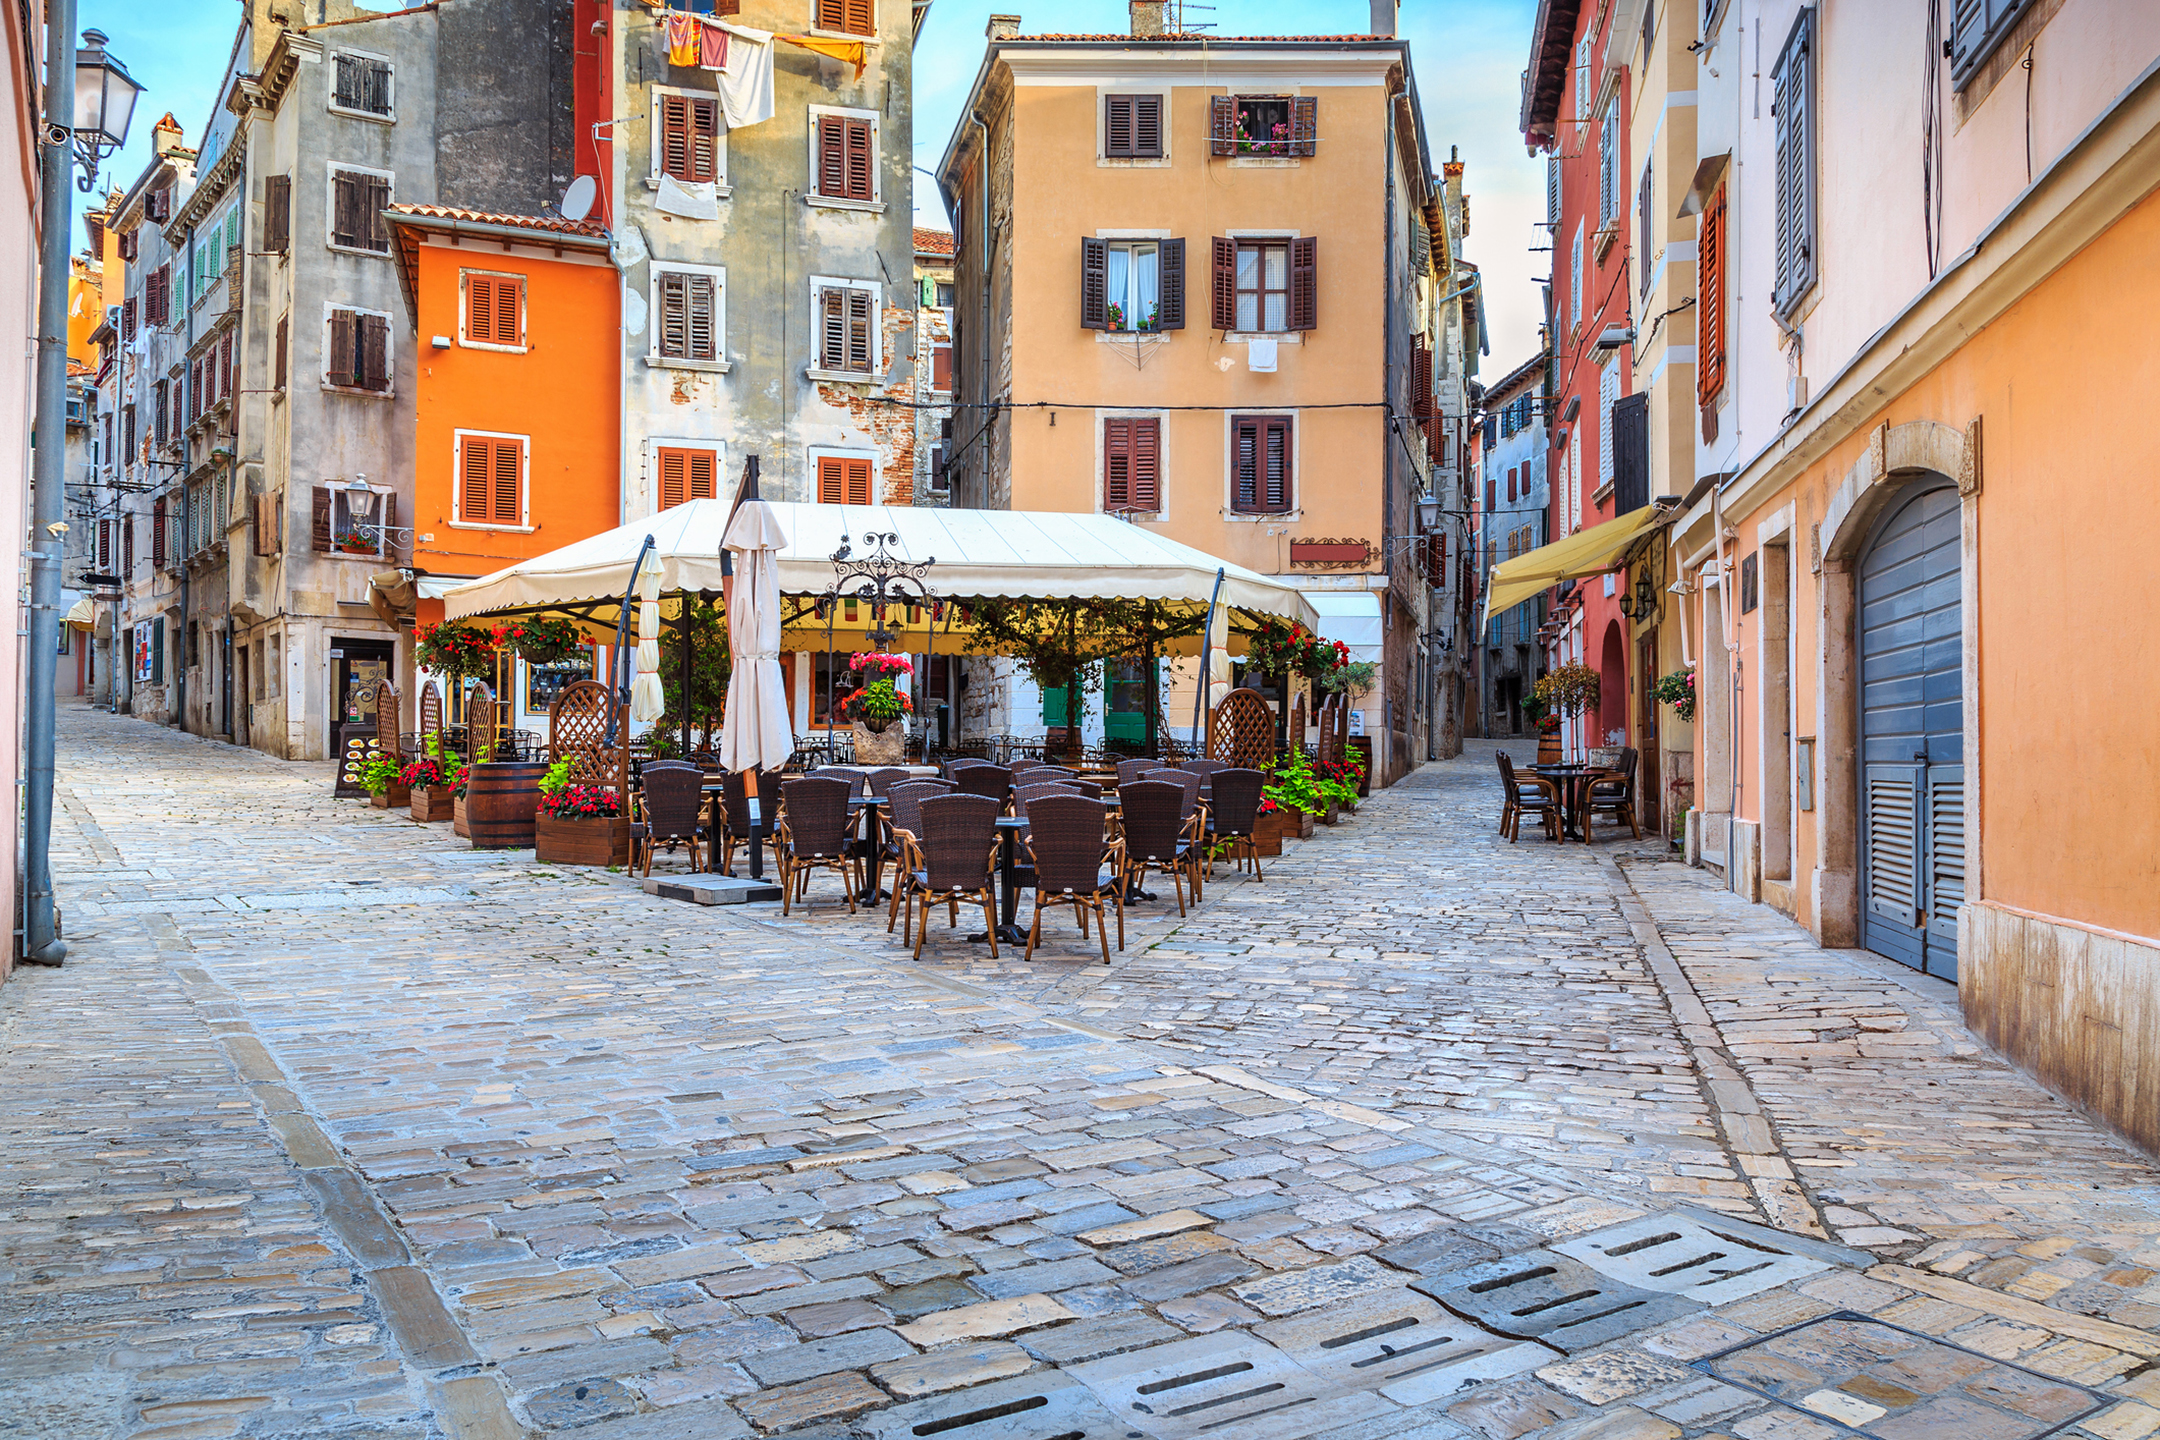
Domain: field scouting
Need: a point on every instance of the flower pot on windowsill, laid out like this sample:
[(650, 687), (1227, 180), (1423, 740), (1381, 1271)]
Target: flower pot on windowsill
[(880, 747), (432, 804), (600, 840)]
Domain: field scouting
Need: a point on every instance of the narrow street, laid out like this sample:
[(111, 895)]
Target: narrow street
[(332, 1126)]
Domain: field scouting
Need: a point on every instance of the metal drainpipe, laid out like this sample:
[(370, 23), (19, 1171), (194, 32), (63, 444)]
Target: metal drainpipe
[(187, 518), (1384, 753), (983, 360)]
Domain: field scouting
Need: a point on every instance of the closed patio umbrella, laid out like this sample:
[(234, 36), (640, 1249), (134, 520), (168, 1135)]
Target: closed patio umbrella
[(755, 733)]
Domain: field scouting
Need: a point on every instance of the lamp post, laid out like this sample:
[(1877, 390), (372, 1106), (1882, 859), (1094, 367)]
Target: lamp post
[(89, 99)]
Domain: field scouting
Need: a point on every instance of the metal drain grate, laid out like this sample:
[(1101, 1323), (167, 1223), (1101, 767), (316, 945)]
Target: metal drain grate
[(1868, 1377), (1710, 1260), (1544, 1295), (1231, 1386), (1403, 1345), (1048, 1406)]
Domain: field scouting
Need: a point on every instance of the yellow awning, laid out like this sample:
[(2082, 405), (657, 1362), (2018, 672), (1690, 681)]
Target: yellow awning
[(1587, 552), (82, 616)]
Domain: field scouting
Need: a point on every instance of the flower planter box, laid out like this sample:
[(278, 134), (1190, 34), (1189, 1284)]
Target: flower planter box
[(433, 804), (1294, 824), (458, 826), (1268, 833), (600, 841), (397, 797)]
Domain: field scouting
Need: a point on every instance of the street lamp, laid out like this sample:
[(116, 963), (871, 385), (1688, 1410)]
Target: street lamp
[(104, 104), (1428, 514), (360, 503)]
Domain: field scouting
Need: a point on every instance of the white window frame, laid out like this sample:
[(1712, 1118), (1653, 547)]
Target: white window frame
[(457, 482), (875, 205), (815, 453), (1106, 161), (819, 284), (1230, 513), (653, 171), (322, 352), (719, 365), (1240, 337), (654, 444), (524, 297), (1162, 458), (333, 169), (388, 117)]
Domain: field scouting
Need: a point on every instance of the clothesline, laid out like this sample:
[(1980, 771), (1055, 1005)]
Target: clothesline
[(702, 41)]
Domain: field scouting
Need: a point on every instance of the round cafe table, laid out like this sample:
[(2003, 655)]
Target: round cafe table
[(1574, 785), (873, 846)]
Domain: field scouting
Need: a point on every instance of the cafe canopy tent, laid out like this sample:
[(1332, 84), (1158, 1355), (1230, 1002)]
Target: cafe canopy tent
[(978, 555)]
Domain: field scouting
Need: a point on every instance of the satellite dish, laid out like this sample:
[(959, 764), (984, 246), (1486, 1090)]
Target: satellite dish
[(577, 201)]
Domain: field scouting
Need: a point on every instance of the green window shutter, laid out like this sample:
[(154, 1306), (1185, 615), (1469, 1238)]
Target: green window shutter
[(157, 652), (1054, 707)]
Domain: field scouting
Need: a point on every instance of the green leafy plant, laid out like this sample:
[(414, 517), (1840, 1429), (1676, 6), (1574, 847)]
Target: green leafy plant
[(539, 641), (556, 779), (377, 776), (710, 665), (461, 652), (1350, 677), (1678, 691), (660, 745), (1570, 689), (1295, 786), (877, 705), (1285, 648)]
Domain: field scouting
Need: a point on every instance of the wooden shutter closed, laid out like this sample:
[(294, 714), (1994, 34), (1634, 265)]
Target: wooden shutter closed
[(284, 341), (674, 315), (127, 319), (344, 205), (700, 331), (860, 160), (1170, 302), (675, 136), (1304, 124), (1421, 388), (225, 366), (374, 199), (1222, 130), (1148, 127), (1793, 174), (1262, 460), (157, 532), (844, 325), (1094, 283), (264, 518), (277, 213), (127, 545), (1132, 464), (941, 368), (1645, 230), (852, 17), (319, 528), (846, 160), (491, 481), (1223, 284), (1118, 125), (1630, 424), (832, 155), (1710, 302), (703, 123), (374, 352), (686, 475), (1305, 283), (843, 480)]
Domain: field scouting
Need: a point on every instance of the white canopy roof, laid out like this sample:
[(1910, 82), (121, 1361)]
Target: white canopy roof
[(979, 554)]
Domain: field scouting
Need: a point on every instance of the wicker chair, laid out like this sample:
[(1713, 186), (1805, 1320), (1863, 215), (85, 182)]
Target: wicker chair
[(1021, 764), (674, 796), (735, 814), (1051, 772), (959, 841), (1614, 795), (903, 844), (957, 763), (1155, 835), (1193, 814), (814, 836), (1234, 815), (885, 777), (1070, 858), (994, 781), (1090, 788), (1131, 770), (1536, 795)]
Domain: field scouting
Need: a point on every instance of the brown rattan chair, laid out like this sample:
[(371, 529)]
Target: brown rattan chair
[(903, 843), (885, 777), (957, 763), (959, 841), (1090, 788), (672, 801), (1235, 814), (1535, 795), (814, 836), (1072, 864), (1042, 773), (1131, 770), (1155, 835), (1193, 814), (1614, 794), (994, 781)]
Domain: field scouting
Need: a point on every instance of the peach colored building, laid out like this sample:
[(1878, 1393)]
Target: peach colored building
[(1214, 284), (1915, 572)]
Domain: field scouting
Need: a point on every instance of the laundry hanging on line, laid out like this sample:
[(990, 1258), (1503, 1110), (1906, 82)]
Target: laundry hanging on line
[(854, 52), (683, 32)]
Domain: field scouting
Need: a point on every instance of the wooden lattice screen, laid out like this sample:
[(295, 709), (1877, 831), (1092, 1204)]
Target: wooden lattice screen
[(1242, 731), (577, 732), (429, 719), (1296, 733), (386, 723), (480, 723)]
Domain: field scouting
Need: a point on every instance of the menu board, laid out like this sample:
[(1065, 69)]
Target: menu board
[(360, 746)]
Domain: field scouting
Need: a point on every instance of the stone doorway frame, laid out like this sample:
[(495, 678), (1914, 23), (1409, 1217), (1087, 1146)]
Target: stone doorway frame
[(1897, 458)]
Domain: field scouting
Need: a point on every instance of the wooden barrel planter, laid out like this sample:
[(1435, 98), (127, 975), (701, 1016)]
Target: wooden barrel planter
[(1548, 745), (601, 840), (500, 799)]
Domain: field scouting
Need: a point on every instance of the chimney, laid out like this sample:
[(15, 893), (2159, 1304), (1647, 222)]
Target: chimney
[(166, 136), (1002, 27), (1383, 18), (1147, 18)]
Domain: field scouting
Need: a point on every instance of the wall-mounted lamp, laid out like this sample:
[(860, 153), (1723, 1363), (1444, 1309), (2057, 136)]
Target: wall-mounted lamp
[(1616, 337)]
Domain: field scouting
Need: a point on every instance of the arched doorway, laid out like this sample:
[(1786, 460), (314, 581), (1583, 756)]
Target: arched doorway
[(1912, 732), (1612, 686)]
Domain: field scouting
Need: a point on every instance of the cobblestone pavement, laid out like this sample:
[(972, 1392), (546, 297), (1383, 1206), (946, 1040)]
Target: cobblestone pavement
[(334, 1127)]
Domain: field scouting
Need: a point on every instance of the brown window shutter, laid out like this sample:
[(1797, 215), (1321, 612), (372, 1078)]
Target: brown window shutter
[(1224, 287), (320, 529), (374, 352), (277, 213), (674, 316), (480, 309), (1147, 464), (700, 337), (704, 141), (859, 347), (861, 161), (1147, 134), (510, 312), (941, 368), (1710, 307), (375, 228), (1305, 283), (284, 341), (343, 203), (1170, 311), (1094, 283), (262, 530), (831, 481), (127, 319), (832, 328), (127, 544), (1117, 465), (1275, 454), (1262, 482), (675, 136), (858, 482), (673, 465), (509, 482), (1118, 125), (1222, 131), (1421, 391), (831, 15), (859, 17), (1304, 124), (475, 457), (704, 475), (157, 532), (832, 155), (225, 367)]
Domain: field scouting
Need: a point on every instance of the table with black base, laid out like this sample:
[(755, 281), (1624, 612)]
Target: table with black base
[(1009, 931), (873, 847), (716, 828), (1573, 782)]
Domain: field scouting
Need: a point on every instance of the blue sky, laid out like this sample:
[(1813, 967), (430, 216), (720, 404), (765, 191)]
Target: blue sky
[(1468, 54)]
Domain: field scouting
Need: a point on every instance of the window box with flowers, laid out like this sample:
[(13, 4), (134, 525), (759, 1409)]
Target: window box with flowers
[(579, 824)]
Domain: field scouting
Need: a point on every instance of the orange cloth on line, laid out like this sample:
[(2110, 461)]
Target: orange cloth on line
[(852, 51), (683, 34)]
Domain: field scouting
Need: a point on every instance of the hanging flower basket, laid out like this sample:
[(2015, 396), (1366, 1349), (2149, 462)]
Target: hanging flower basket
[(460, 652), (540, 642)]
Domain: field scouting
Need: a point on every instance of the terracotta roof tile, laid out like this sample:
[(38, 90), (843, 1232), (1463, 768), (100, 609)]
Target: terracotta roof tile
[(933, 242), (553, 224)]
